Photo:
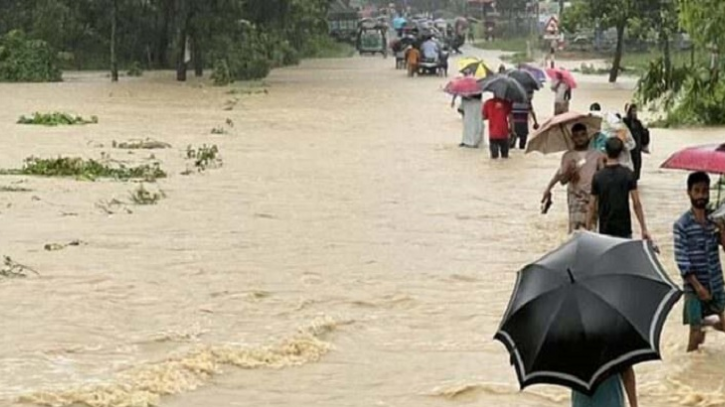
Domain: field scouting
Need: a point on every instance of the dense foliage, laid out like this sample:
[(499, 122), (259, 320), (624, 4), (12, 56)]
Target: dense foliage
[(27, 60), (692, 94), (252, 35)]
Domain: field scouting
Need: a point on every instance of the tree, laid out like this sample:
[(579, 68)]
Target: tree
[(618, 14), (114, 33), (704, 20)]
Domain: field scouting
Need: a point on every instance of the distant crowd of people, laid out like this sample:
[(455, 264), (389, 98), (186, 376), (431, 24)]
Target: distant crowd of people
[(602, 172)]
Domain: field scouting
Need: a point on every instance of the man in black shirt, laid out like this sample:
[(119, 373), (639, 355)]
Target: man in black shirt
[(612, 188)]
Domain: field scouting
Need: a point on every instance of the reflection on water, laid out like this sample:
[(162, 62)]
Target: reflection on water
[(343, 197)]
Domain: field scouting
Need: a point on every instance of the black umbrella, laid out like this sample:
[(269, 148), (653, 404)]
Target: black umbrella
[(594, 306), (504, 87), (526, 79)]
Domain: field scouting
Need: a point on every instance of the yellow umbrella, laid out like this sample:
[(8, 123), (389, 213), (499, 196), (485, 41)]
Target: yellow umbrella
[(474, 66)]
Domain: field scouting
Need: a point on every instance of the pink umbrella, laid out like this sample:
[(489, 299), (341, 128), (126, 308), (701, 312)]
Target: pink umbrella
[(709, 158), (467, 86), (554, 135), (563, 74)]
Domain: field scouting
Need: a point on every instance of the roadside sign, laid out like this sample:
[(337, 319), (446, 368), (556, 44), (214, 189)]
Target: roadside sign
[(552, 26)]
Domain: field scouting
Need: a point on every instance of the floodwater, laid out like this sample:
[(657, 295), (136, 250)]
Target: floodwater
[(347, 253)]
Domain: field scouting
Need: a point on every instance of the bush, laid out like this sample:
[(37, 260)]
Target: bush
[(324, 46), (27, 60), (245, 53), (135, 70), (690, 96), (222, 76)]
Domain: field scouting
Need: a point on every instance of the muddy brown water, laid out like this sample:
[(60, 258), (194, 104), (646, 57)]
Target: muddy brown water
[(346, 254)]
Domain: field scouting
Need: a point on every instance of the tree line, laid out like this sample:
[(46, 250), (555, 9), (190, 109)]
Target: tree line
[(248, 36)]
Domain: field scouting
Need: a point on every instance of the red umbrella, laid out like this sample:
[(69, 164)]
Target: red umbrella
[(709, 158), (466, 86), (563, 74)]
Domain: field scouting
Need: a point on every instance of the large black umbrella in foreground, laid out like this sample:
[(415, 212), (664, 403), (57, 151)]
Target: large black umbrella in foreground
[(593, 306)]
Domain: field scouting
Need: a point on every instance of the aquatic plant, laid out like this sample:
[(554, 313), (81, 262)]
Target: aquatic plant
[(147, 144), (12, 188), (142, 196), (56, 119), (84, 169), (204, 157), (13, 269)]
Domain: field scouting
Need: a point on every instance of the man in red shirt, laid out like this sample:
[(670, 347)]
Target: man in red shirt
[(498, 113)]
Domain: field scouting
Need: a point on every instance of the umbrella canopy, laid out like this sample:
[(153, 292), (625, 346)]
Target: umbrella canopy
[(399, 22), (708, 158), (537, 73), (466, 86), (593, 306), (504, 88), (554, 135), (474, 67), (566, 76), (526, 79)]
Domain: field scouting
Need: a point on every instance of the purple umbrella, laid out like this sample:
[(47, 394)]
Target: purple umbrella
[(537, 73)]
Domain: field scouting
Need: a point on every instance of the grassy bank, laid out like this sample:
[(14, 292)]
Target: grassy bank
[(516, 46), (634, 63), (327, 47), (507, 45)]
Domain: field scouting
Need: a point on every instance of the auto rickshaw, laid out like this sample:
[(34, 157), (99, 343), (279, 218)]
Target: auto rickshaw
[(372, 39)]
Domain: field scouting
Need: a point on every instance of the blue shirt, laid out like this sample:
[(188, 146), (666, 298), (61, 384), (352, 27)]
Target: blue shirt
[(609, 394), (697, 252)]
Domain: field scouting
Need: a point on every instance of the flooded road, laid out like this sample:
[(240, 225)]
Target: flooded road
[(347, 253)]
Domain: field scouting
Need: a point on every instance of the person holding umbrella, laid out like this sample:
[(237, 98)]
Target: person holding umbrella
[(523, 112), (611, 392), (562, 84), (498, 113), (577, 170), (562, 95), (584, 314), (697, 240), (468, 90)]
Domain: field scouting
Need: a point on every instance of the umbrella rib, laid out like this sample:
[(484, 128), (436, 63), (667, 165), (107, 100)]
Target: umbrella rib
[(542, 293)]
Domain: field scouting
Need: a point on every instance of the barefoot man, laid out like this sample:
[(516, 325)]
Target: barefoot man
[(697, 241), (578, 167)]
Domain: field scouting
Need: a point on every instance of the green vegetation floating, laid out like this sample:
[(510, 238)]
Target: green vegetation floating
[(147, 144), (12, 188), (12, 269), (84, 169), (142, 196), (56, 119), (204, 157)]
